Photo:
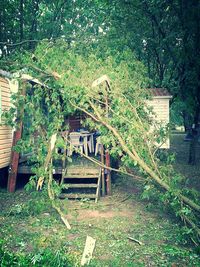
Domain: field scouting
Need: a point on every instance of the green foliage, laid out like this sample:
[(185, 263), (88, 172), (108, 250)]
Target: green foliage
[(32, 207), (42, 258), (161, 34), (119, 113), (40, 236)]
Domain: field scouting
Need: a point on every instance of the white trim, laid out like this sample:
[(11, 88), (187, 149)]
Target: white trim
[(162, 97)]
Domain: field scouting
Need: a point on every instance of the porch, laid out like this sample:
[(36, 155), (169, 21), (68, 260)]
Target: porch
[(79, 178)]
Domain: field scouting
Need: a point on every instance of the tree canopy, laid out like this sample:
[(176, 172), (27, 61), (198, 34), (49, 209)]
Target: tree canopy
[(162, 34)]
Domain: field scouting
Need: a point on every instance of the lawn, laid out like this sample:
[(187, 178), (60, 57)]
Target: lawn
[(32, 233), (181, 149)]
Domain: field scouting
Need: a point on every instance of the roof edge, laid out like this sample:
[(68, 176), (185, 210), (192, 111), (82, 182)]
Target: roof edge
[(162, 96)]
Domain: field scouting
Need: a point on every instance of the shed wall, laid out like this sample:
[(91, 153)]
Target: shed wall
[(5, 131), (161, 110)]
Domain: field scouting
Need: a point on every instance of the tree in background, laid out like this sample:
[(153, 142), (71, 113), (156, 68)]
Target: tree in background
[(162, 34)]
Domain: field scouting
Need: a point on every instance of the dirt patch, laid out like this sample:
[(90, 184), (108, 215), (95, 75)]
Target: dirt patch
[(95, 214), (105, 257), (72, 236)]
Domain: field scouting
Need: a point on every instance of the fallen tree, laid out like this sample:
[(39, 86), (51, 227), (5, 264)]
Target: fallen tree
[(116, 108)]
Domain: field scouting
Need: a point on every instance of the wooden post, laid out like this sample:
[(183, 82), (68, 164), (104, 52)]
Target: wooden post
[(14, 161), (63, 164), (108, 176), (102, 171)]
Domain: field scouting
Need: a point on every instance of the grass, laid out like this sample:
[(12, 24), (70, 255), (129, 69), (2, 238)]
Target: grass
[(29, 226), (181, 149), (32, 234)]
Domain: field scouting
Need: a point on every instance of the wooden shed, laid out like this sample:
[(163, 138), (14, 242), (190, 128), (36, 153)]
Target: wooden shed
[(5, 131), (160, 104)]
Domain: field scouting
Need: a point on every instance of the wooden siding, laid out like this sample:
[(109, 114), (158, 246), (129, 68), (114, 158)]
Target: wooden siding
[(5, 131), (161, 109)]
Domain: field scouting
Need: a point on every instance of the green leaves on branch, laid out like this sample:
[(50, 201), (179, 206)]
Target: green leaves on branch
[(119, 113)]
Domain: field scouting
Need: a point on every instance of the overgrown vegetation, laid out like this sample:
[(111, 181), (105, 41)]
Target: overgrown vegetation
[(43, 258), (31, 231), (117, 111)]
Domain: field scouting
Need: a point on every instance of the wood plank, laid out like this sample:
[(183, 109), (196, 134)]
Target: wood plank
[(5, 90), (4, 151), (77, 176), (4, 127), (3, 165), (27, 169), (4, 83), (4, 146), (82, 171), (5, 87), (6, 141), (5, 94), (75, 196), (6, 102), (25, 157), (88, 250), (5, 160), (5, 131), (3, 79), (24, 169), (5, 105), (98, 188), (108, 176), (80, 185), (58, 170), (5, 136), (5, 99), (12, 176), (6, 155), (102, 171)]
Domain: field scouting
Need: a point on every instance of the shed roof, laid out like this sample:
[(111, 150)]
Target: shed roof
[(159, 93)]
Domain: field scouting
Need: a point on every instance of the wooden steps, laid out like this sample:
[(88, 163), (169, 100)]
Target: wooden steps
[(79, 176), (80, 179), (77, 196), (81, 185), (80, 182)]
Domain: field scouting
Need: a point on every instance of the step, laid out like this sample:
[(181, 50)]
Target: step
[(80, 176), (78, 170), (22, 169), (80, 185), (65, 195)]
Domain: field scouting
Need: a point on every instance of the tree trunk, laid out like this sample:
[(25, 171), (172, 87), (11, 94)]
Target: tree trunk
[(21, 18), (33, 29), (192, 150), (195, 137)]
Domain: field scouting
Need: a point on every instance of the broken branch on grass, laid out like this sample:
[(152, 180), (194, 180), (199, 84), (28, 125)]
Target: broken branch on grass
[(126, 198), (135, 240), (88, 250), (51, 194)]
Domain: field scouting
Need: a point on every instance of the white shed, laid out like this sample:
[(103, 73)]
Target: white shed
[(160, 104)]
